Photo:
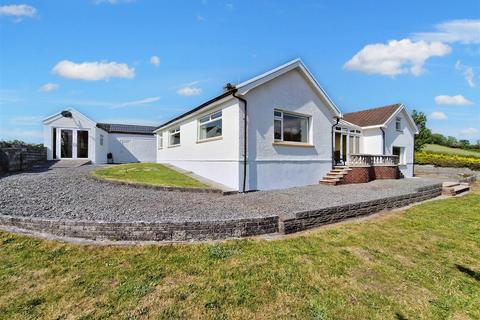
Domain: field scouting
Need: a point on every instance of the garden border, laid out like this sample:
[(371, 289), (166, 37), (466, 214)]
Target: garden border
[(161, 188)]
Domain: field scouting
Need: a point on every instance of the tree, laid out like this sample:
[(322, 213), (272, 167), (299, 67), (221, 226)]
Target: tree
[(424, 134), (464, 143), (451, 142), (438, 138)]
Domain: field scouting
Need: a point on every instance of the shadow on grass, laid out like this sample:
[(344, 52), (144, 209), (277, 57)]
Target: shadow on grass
[(400, 316), (467, 271)]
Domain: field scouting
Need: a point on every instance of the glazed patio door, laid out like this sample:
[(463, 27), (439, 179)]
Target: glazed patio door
[(66, 144), (73, 143), (82, 144)]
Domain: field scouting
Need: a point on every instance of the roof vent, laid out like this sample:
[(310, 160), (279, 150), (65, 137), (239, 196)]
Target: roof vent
[(66, 114), (228, 87)]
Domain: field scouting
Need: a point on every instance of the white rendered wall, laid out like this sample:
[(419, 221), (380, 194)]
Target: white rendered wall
[(371, 141), (217, 160), (127, 148), (403, 138), (274, 166), (101, 150), (76, 122)]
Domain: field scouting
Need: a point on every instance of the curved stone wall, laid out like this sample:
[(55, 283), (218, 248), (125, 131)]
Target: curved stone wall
[(147, 231), (213, 230)]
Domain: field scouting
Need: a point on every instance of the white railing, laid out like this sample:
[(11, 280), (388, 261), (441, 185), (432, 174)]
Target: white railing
[(371, 160)]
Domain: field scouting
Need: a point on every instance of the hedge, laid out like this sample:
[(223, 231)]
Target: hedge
[(447, 160)]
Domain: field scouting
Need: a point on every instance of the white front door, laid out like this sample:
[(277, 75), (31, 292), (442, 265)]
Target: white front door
[(73, 143)]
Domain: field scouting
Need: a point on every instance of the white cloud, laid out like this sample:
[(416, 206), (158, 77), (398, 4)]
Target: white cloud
[(457, 100), (463, 31), (93, 71), (48, 87), (201, 18), (135, 102), (438, 115), (396, 57), (468, 131), (189, 91), (467, 72), (155, 60), (111, 105), (229, 6), (18, 10)]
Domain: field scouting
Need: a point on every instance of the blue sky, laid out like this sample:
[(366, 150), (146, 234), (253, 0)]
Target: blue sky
[(147, 61)]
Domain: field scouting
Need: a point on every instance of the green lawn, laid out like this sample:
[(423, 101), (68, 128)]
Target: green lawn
[(149, 174), (447, 150), (420, 264)]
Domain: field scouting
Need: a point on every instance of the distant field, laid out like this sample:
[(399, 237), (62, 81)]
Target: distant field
[(447, 150)]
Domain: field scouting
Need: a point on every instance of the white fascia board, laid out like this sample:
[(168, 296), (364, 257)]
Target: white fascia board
[(374, 127), (194, 114), (58, 115), (246, 86), (348, 124)]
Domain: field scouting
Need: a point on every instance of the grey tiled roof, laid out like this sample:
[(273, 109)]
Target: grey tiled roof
[(126, 128)]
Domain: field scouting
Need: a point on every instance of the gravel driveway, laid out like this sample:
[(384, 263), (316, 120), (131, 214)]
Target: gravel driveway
[(70, 194)]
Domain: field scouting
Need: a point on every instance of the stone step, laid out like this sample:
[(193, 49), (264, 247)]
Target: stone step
[(450, 184), (328, 182)]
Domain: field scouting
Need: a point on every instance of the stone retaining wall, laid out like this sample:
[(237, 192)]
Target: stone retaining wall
[(147, 231), (314, 218), (18, 158), (212, 230)]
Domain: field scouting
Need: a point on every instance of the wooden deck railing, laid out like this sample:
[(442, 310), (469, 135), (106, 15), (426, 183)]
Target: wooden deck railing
[(372, 160)]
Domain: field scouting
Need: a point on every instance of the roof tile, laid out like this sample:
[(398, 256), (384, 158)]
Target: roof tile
[(371, 117)]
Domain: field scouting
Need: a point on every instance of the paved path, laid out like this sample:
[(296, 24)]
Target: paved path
[(70, 194)]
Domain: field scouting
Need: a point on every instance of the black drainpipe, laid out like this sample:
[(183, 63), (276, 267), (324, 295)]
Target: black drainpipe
[(333, 142), (244, 140), (383, 140)]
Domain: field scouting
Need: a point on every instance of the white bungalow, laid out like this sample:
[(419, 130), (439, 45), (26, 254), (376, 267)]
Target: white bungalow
[(281, 130), (70, 135)]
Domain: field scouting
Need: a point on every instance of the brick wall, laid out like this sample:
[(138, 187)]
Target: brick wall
[(370, 173)]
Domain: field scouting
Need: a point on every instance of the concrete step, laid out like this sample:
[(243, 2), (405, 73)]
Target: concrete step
[(453, 188), (329, 177)]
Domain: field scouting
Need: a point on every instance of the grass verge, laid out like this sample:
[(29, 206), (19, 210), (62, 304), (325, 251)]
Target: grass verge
[(147, 174), (435, 148), (423, 263)]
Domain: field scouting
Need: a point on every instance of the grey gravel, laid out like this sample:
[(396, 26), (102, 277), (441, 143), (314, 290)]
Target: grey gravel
[(69, 194)]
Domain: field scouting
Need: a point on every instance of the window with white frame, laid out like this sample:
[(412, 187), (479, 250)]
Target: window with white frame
[(160, 140), (398, 124), (174, 139), (210, 126), (290, 127), (400, 152), (101, 139)]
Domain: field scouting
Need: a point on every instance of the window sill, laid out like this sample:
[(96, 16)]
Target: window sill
[(174, 146), (210, 139), (293, 144)]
